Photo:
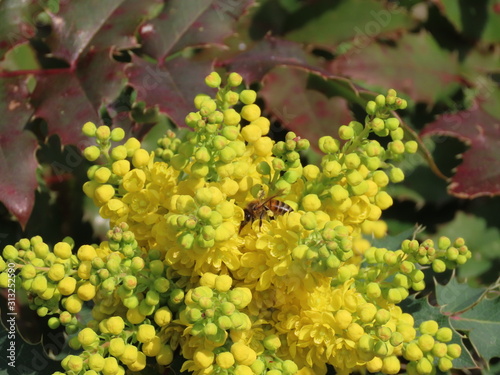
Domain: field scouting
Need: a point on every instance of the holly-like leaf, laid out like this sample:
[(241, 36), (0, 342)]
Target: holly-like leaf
[(99, 24), (28, 359), (475, 20), (308, 113), (17, 22), (171, 86), (331, 23), (422, 310), (416, 66), (478, 127), (68, 98), (482, 323), (269, 53), (191, 23), (17, 150), (455, 297)]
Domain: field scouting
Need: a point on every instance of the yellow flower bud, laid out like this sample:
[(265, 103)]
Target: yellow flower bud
[(152, 348), (374, 365), (121, 167), (355, 332), (129, 355), (56, 272), (62, 250), (104, 193), (86, 291), (251, 133), (115, 325), (89, 129), (311, 202), (343, 318), (116, 347), (391, 365), (203, 358), (231, 117), (132, 144), (250, 112), (87, 336), (444, 334), (244, 355), (73, 304), (102, 175), (91, 153), (141, 158), (86, 252), (110, 366), (263, 123), (263, 146), (165, 356), (383, 200), (66, 286), (145, 333), (224, 360), (134, 316)]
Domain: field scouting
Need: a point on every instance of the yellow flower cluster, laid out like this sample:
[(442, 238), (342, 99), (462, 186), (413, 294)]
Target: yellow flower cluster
[(301, 268), (245, 259)]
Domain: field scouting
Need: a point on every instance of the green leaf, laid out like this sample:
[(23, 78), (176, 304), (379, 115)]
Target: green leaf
[(482, 323), (30, 359), (474, 19), (327, 23), (455, 297)]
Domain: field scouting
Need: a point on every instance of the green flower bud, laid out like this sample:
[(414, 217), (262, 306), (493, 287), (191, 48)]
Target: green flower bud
[(392, 123), (91, 153), (103, 133), (377, 124), (424, 366), (231, 117), (380, 101), (89, 129), (444, 334), (371, 108), (352, 161), (213, 80), (396, 175), (328, 145), (438, 266), (411, 147), (234, 79)]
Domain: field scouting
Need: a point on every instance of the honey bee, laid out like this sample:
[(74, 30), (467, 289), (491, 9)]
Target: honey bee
[(259, 209)]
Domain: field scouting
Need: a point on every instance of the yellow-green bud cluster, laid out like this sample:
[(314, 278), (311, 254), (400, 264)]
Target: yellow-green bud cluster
[(213, 309), (446, 255)]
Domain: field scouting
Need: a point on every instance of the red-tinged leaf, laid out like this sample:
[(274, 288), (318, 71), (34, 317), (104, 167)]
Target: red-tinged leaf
[(172, 86), (17, 22), (308, 113), (416, 66), (191, 23), (99, 24), (255, 63), (17, 150), (479, 173), (68, 98)]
